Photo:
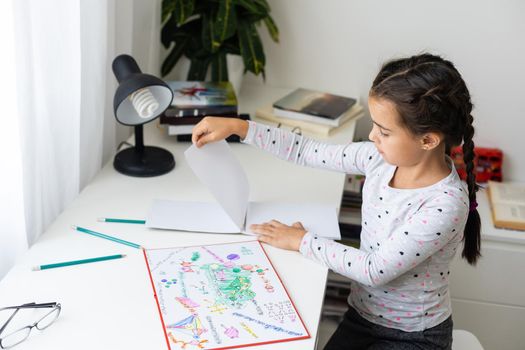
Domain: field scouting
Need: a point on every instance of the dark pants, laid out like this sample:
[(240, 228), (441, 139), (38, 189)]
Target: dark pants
[(356, 333)]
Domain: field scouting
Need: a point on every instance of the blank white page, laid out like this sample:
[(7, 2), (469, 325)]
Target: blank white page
[(320, 219), (218, 168), (189, 216)]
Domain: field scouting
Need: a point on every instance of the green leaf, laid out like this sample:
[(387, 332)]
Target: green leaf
[(225, 21), (167, 8), (173, 57), (198, 69), (168, 32), (208, 37), (249, 5), (231, 45), (183, 9), (263, 4), (251, 48), (219, 68), (272, 28)]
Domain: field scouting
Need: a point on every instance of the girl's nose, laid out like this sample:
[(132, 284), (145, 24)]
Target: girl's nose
[(371, 136)]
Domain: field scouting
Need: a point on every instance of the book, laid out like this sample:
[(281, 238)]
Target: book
[(313, 106), (507, 204), (189, 120), (199, 98), (323, 130), (216, 166), (221, 296)]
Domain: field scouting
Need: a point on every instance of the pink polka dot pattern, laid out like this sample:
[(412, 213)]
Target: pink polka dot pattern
[(408, 236)]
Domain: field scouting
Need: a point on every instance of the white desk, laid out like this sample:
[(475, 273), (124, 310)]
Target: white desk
[(110, 305)]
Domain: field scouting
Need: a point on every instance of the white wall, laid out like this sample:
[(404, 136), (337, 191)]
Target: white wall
[(338, 46), (137, 33)]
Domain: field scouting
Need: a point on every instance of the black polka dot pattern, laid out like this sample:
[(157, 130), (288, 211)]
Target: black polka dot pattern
[(416, 225)]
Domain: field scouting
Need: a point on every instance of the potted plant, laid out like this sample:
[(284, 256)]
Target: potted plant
[(206, 31)]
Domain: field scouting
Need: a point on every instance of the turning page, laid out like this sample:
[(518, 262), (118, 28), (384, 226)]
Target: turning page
[(218, 168)]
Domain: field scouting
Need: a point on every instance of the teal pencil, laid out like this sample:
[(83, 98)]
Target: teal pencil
[(101, 235), (122, 221), (78, 262)]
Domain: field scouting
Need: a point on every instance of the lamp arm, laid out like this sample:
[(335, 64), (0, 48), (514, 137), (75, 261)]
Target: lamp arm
[(139, 138)]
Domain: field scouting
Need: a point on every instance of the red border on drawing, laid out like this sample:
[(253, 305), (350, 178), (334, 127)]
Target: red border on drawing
[(156, 299), (233, 346)]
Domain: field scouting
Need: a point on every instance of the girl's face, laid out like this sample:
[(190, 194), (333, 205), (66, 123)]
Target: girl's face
[(396, 143)]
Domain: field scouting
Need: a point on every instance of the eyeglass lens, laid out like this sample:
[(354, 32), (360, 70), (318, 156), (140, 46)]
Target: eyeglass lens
[(15, 337), (48, 319), (18, 336)]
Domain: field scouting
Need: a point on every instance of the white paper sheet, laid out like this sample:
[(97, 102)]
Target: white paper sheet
[(190, 216), (218, 168), (320, 219)]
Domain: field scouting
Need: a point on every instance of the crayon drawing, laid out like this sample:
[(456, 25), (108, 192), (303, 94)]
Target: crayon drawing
[(221, 296)]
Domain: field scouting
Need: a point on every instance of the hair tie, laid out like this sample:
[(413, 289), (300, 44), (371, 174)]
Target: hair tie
[(473, 206)]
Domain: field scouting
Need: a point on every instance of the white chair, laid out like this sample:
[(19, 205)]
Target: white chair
[(464, 340)]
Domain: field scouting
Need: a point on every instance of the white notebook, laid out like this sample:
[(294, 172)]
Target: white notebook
[(218, 168)]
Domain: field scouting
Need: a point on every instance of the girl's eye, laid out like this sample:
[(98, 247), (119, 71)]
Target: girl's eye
[(382, 133)]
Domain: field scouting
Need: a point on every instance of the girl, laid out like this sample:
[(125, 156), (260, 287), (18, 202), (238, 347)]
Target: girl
[(415, 211)]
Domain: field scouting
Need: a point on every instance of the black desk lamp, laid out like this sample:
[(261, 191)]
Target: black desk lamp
[(139, 99)]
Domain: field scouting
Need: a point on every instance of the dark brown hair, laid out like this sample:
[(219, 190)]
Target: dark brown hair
[(430, 96)]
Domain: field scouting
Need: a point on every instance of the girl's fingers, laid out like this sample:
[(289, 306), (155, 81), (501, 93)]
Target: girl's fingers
[(205, 138), (262, 229), (265, 239), (298, 225), (276, 223), (198, 131)]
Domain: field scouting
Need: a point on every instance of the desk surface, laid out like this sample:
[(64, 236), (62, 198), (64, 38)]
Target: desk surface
[(110, 305)]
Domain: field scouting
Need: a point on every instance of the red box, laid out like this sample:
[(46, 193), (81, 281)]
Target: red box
[(487, 163)]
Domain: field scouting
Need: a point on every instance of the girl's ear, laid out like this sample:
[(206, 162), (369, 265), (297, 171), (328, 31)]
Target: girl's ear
[(430, 141)]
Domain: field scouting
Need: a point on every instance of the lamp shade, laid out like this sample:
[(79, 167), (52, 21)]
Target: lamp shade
[(155, 99), (139, 99)]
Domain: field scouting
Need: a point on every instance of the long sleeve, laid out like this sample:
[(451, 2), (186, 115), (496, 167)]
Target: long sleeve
[(353, 158), (408, 245)]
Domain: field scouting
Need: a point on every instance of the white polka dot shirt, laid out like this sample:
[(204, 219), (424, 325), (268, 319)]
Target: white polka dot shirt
[(409, 236)]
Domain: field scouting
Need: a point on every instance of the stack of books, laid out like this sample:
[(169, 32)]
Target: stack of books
[(314, 112), (193, 100)]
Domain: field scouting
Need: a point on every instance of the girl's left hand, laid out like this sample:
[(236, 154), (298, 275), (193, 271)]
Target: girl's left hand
[(280, 235)]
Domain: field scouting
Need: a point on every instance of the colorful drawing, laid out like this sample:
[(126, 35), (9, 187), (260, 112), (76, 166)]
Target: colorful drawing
[(246, 251), (191, 325), (168, 283), (184, 344), (195, 256), (231, 332), (224, 295)]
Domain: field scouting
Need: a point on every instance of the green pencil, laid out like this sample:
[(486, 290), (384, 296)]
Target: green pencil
[(111, 238), (122, 221), (77, 262)]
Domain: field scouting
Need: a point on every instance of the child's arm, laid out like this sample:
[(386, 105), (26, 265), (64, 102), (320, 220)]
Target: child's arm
[(377, 263), (353, 158), (212, 129)]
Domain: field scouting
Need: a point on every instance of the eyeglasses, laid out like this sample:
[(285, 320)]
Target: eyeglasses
[(16, 337)]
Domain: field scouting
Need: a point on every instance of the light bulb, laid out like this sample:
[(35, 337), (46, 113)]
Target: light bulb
[(144, 103)]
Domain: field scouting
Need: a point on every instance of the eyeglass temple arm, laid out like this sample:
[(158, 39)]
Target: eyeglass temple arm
[(24, 306), (8, 320), (36, 306)]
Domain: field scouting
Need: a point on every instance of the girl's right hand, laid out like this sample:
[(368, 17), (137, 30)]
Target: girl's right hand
[(212, 129)]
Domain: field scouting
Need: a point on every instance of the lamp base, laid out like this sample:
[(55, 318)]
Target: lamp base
[(150, 161)]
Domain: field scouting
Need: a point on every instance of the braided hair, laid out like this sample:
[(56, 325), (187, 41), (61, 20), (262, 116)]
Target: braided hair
[(430, 96)]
